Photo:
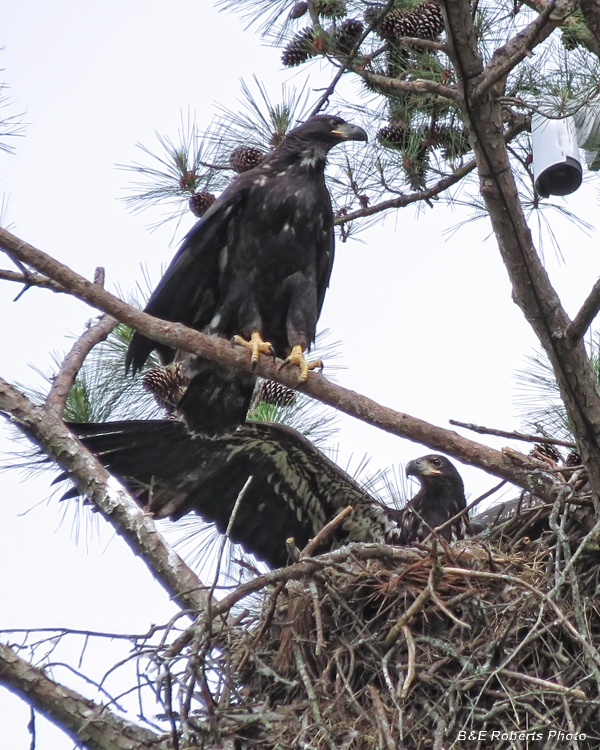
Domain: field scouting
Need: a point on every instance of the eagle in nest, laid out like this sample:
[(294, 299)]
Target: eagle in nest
[(254, 269), (293, 490)]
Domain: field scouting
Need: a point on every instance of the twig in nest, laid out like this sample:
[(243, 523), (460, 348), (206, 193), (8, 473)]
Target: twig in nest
[(561, 617), (323, 533), (266, 622), (412, 653), (381, 717), (311, 696), (320, 644), (435, 576), (292, 550), (439, 603), (546, 684)]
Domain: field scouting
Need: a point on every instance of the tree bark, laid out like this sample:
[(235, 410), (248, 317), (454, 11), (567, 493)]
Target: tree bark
[(84, 721), (532, 290)]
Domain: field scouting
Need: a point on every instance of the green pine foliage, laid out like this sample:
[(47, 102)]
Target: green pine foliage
[(418, 138)]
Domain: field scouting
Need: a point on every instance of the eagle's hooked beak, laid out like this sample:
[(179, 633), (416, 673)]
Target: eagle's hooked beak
[(350, 132), (419, 467)]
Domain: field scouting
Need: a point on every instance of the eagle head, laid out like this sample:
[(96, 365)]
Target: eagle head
[(327, 131)]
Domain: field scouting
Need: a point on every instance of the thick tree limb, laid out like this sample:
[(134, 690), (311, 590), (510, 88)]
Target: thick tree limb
[(584, 36), (71, 364), (591, 13), (506, 58), (134, 525), (525, 474), (84, 721), (532, 289), (584, 318)]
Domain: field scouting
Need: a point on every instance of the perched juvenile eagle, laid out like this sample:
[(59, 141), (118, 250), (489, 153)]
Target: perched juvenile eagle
[(255, 268), (294, 491)]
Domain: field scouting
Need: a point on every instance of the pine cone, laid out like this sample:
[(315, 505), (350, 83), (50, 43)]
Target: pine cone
[(277, 394), (298, 10), (199, 203), (395, 135), (330, 8), (188, 181), (423, 22), (245, 158), (386, 25), (347, 34), (573, 459), (166, 384), (307, 43), (416, 167), (548, 450)]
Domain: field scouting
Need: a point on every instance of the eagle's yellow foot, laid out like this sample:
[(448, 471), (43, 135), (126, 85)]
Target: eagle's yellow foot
[(296, 357), (256, 346)]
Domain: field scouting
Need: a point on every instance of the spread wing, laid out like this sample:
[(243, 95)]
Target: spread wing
[(294, 491)]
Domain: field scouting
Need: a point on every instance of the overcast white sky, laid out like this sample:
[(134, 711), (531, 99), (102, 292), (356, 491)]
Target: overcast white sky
[(426, 322)]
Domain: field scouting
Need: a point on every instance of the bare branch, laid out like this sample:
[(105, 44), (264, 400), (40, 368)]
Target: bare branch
[(526, 474), (134, 525), (406, 200), (512, 435), (83, 720), (584, 318), (324, 533), (30, 279), (72, 363)]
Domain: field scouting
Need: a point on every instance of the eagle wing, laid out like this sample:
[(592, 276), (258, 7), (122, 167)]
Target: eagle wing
[(294, 490), (189, 291)]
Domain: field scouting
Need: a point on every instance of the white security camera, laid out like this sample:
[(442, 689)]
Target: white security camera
[(556, 166)]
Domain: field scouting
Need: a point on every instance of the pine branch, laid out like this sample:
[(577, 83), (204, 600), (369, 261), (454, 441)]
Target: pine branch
[(507, 57), (431, 192), (395, 86), (526, 474), (45, 428), (84, 721), (588, 39), (72, 363)]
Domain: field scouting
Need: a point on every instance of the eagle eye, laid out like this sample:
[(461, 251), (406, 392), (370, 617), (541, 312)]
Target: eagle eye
[(436, 462), (334, 122)]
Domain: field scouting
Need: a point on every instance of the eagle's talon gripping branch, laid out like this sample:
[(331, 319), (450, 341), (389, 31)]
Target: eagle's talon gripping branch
[(256, 345), (296, 357)]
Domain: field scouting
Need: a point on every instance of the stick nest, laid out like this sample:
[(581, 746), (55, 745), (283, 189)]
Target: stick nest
[(377, 647)]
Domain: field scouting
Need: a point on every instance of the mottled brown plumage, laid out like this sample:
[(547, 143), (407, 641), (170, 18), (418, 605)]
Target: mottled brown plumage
[(294, 491)]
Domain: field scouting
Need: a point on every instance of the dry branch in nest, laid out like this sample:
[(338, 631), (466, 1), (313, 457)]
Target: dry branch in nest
[(406, 648)]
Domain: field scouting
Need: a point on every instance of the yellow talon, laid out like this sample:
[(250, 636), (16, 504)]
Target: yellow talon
[(296, 357), (256, 345)]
